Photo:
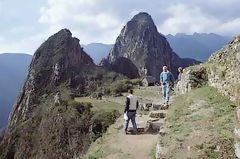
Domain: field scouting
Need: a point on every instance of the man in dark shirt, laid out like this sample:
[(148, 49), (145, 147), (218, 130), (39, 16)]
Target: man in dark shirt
[(130, 109)]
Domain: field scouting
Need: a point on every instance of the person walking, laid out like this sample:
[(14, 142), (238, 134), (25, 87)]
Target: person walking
[(167, 82), (130, 109), (180, 72)]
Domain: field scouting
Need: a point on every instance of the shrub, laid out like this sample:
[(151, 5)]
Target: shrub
[(120, 86), (80, 107), (136, 82), (102, 120)]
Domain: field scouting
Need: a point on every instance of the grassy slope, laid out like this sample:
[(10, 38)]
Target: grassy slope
[(101, 105), (201, 125), (102, 146)]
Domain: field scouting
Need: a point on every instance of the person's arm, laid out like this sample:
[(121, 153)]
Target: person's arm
[(172, 78), (127, 105), (137, 105), (161, 78)]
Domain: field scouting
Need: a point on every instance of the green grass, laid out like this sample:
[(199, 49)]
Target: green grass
[(102, 146), (104, 105), (152, 154), (147, 93), (201, 129)]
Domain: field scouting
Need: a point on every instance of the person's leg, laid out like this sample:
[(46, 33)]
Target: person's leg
[(133, 120), (126, 123), (167, 94), (164, 92)]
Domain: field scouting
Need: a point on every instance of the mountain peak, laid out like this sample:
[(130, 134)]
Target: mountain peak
[(65, 31), (143, 15), (143, 18), (50, 66), (144, 47)]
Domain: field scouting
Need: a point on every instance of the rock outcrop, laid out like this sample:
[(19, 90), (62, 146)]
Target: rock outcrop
[(50, 67), (221, 71), (141, 43), (43, 123), (224, 71), (192, 77)]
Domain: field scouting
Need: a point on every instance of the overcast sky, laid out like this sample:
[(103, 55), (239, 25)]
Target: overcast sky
[(25, 24)]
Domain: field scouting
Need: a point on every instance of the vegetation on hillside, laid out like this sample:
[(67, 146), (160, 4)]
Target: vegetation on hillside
[(201, 125), (122, 86)]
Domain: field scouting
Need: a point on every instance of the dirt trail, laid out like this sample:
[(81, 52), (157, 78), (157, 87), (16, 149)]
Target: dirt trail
[(132, 146), (117, 145)]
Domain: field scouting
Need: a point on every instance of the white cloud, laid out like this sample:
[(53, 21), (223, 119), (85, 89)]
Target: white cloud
[(188, 19), (83, 18), (231, 27), (24, 27), (25, 45)]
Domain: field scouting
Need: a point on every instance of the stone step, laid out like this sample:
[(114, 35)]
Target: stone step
[(159, 106), (154, 127), (237, 132), (153, 119), (237, 149), (145, 106), (160, 152), (156, 106), (157, 114), (238, 114)]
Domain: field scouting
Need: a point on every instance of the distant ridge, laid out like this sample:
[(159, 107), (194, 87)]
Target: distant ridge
[(198, 46)]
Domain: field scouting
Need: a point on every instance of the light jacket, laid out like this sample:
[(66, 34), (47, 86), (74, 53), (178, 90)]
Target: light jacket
[(131, 103), (166, 77)]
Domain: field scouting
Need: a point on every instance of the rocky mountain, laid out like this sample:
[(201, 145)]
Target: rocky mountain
[(147, 50), (198, 46), (13, 70), (97, 51), (45, 123)]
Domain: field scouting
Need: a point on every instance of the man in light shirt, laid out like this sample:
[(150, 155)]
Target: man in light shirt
[(167, 81)]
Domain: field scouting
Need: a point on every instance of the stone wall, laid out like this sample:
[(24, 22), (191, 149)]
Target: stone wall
[(192, 77), (222, 71)]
